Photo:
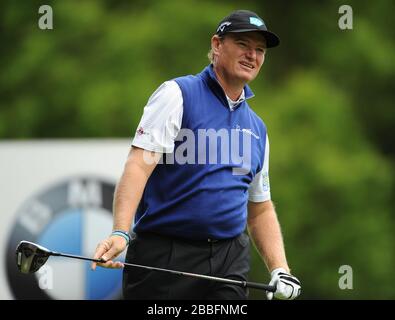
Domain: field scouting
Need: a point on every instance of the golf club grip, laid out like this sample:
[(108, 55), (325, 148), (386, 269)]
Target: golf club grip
[(261, 286)]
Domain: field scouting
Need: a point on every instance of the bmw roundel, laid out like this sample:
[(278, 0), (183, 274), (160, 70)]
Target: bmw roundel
[(72, 216)]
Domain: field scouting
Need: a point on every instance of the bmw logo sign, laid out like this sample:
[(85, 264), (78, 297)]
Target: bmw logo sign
[(70, 217)]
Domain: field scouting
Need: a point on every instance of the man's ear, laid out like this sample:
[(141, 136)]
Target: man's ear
[(215, 43)]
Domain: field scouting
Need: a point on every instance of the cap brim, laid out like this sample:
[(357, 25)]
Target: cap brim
[(271, 39)]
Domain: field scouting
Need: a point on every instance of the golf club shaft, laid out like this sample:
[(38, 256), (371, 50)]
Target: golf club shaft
[(58, 254), (244, 284)]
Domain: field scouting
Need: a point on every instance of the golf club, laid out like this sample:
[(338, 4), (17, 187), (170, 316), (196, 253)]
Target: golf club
[(30, 257)]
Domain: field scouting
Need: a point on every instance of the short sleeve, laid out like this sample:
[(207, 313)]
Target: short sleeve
[(259, 190), (161, 120)]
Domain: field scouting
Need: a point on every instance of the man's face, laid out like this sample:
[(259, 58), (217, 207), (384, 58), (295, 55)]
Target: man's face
[(239, 56)]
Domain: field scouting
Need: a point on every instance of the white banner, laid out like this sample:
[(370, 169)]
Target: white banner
[(58, 193)]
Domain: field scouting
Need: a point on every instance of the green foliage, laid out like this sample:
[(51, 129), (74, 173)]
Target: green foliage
[(331, 189), (325, 94)]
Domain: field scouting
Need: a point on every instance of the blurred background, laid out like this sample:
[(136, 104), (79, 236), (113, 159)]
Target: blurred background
[(325, 94)]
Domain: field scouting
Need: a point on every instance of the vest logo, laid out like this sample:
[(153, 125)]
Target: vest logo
[(247, 131), (71, 216)]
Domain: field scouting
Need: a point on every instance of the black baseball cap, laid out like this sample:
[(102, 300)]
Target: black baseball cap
[(244, 21)]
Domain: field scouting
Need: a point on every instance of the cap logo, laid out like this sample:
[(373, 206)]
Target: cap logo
[(223, 25), (255, 21)]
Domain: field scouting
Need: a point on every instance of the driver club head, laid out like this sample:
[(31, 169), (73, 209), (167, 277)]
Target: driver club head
[(30, 256)]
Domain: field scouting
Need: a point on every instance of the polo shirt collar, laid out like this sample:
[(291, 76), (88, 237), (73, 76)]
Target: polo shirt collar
[(208, 74)]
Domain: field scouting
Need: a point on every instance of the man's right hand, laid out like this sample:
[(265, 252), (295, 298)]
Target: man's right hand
[(109, 249)]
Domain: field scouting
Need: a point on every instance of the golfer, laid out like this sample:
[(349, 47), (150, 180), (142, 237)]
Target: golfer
[(197, 179)]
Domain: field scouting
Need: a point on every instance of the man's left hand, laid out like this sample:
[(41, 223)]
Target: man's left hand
[(288, 286)]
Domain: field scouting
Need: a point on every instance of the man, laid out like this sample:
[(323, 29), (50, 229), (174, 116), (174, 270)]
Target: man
[(191, 208)]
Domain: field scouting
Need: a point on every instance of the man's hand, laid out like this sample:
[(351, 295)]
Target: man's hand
[(109, 249), (288, 286)]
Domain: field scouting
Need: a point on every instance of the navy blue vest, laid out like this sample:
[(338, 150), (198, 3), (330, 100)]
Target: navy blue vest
[(203, 198)]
